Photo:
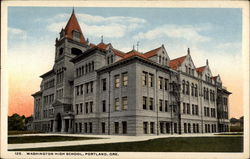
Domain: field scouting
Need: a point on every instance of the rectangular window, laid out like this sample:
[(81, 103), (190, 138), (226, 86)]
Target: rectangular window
[(81, 107), (116, 128), (152, 127), (144, 102), (86, 127), (160, 83), (197, 110), (103, 127), (144, 78), (175, 127), (151, 102), (166, 84), (145, 127), (76, 108), (90, 127), (81, 89), (125, 79), (160, 105), (150, 80), (86, 107), (188, 108), (184, 108), (193, 109), (91, 107), (103, 106), (124, 127), (166, 106), (117, 81), (116, 104), (124, 103), (87, 88), (91, 86), (104, 83)]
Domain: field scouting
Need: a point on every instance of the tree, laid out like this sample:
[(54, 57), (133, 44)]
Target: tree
[(16, 122)]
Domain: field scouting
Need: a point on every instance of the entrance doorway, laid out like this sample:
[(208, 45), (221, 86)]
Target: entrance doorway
[(59, 122)]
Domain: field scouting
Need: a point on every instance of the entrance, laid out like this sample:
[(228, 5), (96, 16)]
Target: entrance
[(59, 122)]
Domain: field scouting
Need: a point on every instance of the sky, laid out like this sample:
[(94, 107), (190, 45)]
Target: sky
[(210, 33)]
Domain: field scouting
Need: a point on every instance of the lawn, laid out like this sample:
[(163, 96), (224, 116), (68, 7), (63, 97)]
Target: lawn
[(36, 139), (175, 144), (18, 132)]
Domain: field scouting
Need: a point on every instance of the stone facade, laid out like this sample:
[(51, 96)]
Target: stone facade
[(97, 89)]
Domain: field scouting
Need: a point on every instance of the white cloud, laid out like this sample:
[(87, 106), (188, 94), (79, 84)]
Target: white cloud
[(16, 33), (95, 26), (185, 32)]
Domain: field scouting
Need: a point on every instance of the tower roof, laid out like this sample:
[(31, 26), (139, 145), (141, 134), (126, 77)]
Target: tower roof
[(73, 25)]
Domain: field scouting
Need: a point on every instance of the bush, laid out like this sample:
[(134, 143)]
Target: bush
[(236, 129)]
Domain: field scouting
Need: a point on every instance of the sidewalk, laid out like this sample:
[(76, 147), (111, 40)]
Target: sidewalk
[(107, 139)]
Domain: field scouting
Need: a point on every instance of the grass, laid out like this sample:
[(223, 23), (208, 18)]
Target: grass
[(175, 144), (18, 132), (37, 139)]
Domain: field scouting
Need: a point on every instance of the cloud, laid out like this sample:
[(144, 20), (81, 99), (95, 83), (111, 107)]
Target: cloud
[(15, 33), (95, 26), (185, 32)]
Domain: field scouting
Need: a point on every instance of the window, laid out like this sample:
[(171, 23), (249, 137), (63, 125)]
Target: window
[(189, 128), (166, 105), (196, 90), (144, 102), (160, 105), (192, 89), (187, 90), (90, 127), (166, 84), (117, 81), (76, 108), (197, 128), (116, 128), (145, 127), (159, 59), (184, 108), (175, 127), (160, 83), (81, 89), (193, 109), (86, 107), (81, 107), (124, 127), (194, 128), (103, 106), (144, 78), (86, 127), (196, 110), (152, 127), (124, 103), (205, 111), (188, 108), (125, 79), (104, 87), (151, 101), (150, 80), (185, 127), (103, 127), (116, 104), (161, 127), (80, 127), (91, 107), (91, 86), (87, 88), (183, 86)]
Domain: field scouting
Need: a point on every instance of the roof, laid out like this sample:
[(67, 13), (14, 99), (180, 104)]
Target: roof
[(37, 93), (105, 46), (152, 52), (133, 53), (214, 77), (47, 73), (175, 63), (200, 69), (73, 25)]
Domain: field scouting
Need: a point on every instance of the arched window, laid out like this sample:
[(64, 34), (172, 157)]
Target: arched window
[(187, 89), (183, 86), (189, 128)]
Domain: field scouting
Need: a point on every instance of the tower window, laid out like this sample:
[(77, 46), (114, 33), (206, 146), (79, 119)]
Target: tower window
[(60, 51)]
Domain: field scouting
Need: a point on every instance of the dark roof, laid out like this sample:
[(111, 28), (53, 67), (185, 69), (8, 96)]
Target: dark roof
[(48, 73), (37, 93)]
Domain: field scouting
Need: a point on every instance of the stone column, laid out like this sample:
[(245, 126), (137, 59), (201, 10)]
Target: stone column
[(63, 126)]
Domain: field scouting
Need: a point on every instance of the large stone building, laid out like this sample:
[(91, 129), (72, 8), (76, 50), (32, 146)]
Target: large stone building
[(97, 89)]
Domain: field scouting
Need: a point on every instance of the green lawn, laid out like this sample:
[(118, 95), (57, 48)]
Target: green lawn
[(36, 139), (176, 144), (18, 132)]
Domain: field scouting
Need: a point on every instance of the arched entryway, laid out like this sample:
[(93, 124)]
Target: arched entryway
[(59, 122)]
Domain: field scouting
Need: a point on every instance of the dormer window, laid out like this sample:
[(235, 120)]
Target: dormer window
[(76, 35)]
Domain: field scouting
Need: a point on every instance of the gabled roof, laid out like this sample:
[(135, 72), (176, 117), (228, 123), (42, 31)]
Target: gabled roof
[(118, 52), (103, 45), (175, 63), (133, 53), (73, 25), (152, 52), (200, 69)]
